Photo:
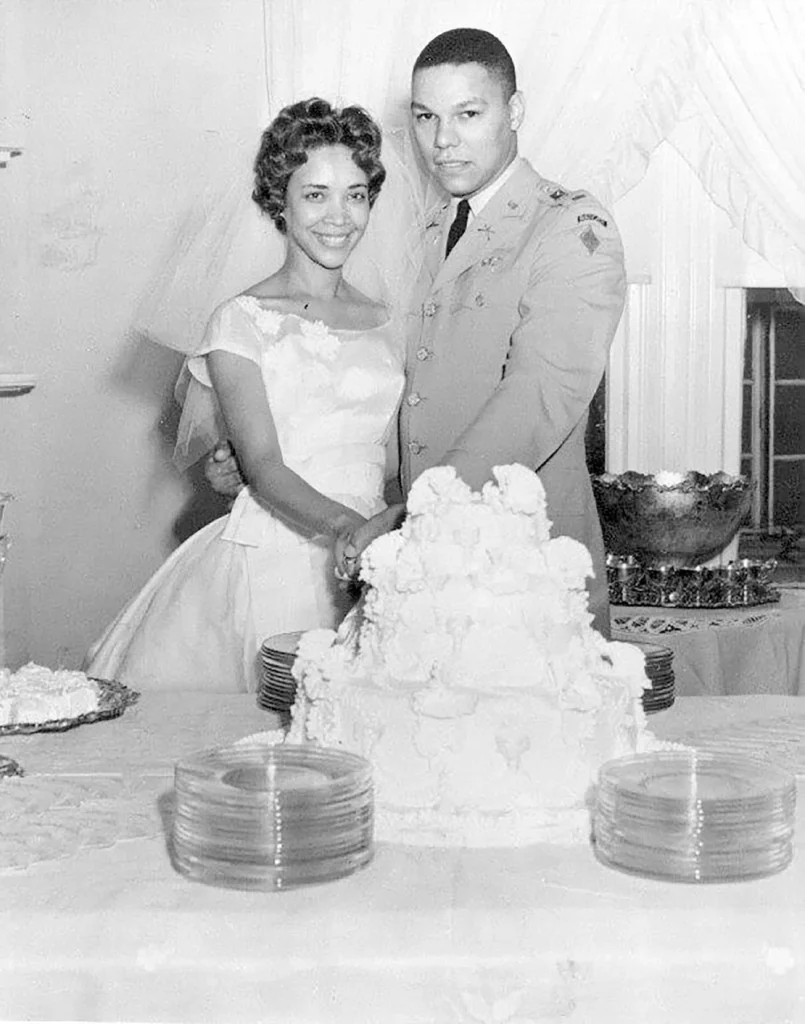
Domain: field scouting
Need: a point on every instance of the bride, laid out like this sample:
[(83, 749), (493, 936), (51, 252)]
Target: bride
[(304, 375)]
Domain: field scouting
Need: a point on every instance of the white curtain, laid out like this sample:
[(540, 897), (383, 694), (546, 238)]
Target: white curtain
[(745, 136), (605, 82)]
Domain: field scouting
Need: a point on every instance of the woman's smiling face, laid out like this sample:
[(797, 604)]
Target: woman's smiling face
[(327, 206)]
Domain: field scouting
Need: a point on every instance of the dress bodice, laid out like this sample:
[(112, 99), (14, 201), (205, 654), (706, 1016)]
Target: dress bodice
[(333, 393), (327, 388)]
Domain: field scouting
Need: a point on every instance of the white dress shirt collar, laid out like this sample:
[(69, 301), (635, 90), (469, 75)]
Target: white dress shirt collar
[(480, 199)]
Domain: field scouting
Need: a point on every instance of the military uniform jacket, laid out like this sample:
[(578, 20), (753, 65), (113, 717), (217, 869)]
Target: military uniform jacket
[(507, 341)]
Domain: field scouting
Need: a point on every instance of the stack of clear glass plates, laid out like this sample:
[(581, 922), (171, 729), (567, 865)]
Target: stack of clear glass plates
[(661, 676), (277, 690), (694, 817), (254, 816)]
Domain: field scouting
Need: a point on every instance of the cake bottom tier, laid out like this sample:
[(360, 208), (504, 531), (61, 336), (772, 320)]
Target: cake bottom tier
[(470, 768)]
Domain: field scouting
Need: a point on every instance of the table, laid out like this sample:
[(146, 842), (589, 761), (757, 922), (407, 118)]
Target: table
[(538, 934), (720, 652)]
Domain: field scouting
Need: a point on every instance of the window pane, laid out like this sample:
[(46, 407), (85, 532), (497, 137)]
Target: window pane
[(790, 344), (789, 419), (746, 418), (748, 350), (789, 494)]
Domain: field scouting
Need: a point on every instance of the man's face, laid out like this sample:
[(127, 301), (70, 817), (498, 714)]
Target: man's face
[(464, 126)]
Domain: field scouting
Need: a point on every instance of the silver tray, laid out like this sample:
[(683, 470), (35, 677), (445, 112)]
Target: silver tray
[(113, 700), (741, 584)]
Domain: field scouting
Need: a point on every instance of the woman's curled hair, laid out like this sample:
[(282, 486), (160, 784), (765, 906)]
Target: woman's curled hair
[(302, 127)]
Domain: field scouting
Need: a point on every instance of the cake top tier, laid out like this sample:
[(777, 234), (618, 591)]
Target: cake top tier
[(498, 539)]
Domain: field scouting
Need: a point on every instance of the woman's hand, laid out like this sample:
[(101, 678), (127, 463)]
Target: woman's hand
[(352, 542), (345, 552)]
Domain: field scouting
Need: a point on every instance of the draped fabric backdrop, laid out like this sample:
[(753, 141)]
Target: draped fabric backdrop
[(128, 218), (605, 81)]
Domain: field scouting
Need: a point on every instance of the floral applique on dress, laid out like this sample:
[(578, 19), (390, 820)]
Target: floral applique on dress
[(317, 339), (268, 320)]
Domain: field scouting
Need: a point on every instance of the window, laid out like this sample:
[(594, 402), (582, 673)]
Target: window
[(773, 419)]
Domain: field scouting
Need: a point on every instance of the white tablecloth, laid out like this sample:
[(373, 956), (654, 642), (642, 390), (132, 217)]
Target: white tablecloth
[(721, 652), (507, 936)]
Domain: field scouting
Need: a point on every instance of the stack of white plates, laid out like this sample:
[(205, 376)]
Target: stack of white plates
[(253, 816), (694, 817), (661, 676), (277, 690)]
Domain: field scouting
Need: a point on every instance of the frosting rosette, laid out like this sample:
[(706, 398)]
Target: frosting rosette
[(438, 486)]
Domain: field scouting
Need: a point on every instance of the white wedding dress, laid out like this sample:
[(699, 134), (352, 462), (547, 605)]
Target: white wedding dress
[(200, 620)]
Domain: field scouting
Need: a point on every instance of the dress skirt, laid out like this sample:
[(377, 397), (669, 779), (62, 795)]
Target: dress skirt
[(200, 620)]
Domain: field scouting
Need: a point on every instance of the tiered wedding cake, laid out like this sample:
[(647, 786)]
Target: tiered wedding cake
[(469, 674)]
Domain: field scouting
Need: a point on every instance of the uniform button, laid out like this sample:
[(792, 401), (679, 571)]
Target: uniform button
[(423, 353), (480, 300), (414, 398), (430, 309), (414, 447)]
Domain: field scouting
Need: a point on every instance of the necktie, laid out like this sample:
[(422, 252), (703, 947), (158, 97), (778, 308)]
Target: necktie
[(459, 225)]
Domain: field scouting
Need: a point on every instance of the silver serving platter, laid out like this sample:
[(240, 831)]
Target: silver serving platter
[(113, 700), (739, 584)]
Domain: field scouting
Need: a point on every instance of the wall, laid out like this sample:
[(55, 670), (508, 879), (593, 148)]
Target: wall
[(127, 109)]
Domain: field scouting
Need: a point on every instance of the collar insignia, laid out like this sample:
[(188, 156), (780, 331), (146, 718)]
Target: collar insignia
[(554, 192)]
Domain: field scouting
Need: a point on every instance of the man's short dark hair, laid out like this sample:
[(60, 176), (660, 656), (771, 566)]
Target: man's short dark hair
[(471, 46)]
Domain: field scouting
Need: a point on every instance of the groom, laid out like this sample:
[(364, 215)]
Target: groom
[(516, 306)]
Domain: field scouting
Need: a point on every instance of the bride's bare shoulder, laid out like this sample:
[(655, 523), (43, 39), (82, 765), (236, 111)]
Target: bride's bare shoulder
[(271, 293)]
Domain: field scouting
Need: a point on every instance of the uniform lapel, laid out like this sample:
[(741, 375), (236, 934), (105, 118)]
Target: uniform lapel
[(434, 232), (497, 226)]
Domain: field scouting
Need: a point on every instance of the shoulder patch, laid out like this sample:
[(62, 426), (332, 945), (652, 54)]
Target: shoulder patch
[(591, 216), (590, 240)]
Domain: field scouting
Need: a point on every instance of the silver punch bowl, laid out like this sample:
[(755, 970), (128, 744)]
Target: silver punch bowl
[(670, 518)]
